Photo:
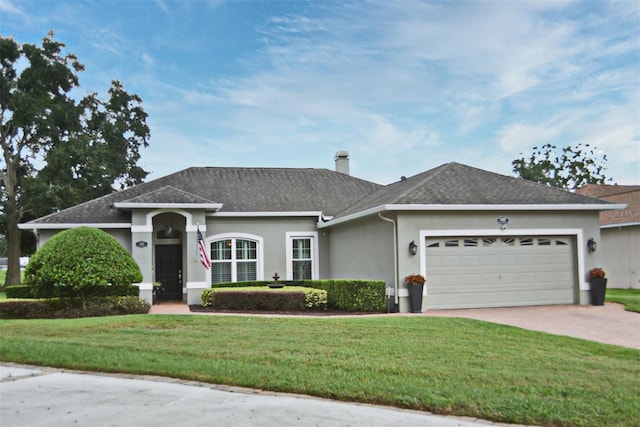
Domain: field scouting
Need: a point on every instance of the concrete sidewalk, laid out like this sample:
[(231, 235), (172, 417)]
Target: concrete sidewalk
[(32, 396)]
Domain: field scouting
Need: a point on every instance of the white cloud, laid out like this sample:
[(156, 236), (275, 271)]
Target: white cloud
[(7, 6), (391, 81)]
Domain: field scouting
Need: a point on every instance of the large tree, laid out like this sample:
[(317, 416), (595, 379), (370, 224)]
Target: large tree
[(59, 151), (568, 168)]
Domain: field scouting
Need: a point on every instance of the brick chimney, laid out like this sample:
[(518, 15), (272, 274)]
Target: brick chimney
[(342, 162)]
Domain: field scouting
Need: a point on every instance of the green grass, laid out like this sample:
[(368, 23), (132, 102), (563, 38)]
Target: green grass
[(3, 276), (442, 365), (629, 297)]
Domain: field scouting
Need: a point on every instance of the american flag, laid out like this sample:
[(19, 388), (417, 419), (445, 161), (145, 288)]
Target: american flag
[(202, 249)]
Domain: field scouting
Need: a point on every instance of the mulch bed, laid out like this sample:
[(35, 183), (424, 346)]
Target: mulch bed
[(323, 313)]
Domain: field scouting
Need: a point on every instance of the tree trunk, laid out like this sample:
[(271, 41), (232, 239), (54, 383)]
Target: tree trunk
[(13, 217), (13, 247)]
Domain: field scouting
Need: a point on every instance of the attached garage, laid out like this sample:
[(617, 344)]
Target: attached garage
[(500, 271)]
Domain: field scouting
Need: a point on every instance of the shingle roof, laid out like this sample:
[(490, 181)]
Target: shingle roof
[(627, 194), (168, 195), (315, 190), (238, 189), (458, 184)]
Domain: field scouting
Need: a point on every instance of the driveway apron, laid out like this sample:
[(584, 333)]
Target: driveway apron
[(608, 324)]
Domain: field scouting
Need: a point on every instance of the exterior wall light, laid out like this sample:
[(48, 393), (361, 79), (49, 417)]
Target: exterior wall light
[(592, 245), (413, 248)]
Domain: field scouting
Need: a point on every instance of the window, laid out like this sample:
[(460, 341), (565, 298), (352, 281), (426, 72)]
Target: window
[(489, 241), (528, 241), (234, 260), (509, 241), (301, 259), (302, 250)]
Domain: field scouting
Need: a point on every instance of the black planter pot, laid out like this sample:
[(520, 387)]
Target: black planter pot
[(598, 290), (415, 298)]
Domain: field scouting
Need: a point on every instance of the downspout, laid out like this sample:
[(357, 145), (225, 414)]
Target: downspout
[(395, 257)]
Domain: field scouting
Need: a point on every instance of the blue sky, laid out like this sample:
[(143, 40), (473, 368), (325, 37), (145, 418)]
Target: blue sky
[(404, 85)]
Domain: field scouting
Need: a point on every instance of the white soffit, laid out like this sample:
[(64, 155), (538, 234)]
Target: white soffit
[(476, 207), (43, 226)]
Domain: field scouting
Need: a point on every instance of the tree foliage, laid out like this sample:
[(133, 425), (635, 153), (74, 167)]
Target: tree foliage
[(88, 146), (568, 168), (81, 262)]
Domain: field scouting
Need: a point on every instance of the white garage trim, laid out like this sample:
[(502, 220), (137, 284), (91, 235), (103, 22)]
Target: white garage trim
[(577, 232)]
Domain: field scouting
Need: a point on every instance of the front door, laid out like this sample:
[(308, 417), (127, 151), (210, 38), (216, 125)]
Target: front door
[(169, 272)]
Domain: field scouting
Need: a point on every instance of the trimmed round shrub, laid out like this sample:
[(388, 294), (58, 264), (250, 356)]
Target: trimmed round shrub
[(82, 262)]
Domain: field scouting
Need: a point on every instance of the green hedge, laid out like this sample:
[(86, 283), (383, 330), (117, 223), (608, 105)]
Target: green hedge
[(342, 294), (26, 291), (20, 291), (68, 308), (265, 299)]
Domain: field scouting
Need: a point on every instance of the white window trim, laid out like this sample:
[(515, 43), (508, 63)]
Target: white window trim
[(315, 253), (259, 248), (534, 232)]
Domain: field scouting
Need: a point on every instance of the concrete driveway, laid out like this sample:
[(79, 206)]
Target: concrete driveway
[(609, 324)]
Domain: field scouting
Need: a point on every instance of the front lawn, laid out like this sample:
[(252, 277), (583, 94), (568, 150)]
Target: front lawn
[(629, 297), (442, 365)]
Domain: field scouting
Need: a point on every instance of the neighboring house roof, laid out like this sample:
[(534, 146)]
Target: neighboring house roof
[(627, 194), (457, 184), (235, 190)]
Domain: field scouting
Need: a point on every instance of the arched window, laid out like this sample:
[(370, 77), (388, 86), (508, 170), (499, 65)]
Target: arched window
[(234, 259)]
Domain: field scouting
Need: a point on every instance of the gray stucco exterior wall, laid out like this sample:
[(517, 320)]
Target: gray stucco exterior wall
[(362, 249)]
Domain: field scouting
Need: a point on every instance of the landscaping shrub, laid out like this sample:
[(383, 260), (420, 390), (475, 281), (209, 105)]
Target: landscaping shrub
[(26, 291), (67, 308), (260, 298), (342, 294), (20, 291), (82, 262), (353, 295)]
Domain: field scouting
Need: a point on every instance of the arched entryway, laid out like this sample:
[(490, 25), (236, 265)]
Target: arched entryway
[(169, 239)]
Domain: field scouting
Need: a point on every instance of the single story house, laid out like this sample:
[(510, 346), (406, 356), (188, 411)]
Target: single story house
[(481, 239), (620, 233)]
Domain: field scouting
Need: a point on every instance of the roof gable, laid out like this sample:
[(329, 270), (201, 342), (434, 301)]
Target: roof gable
[(457, 184), (168, 194)]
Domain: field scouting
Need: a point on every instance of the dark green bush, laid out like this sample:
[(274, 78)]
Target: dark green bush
[(20, 291), (26, 291), (354, 295), (68, 308), (23, 309), (259, 298), (82, 262), (342, 294)]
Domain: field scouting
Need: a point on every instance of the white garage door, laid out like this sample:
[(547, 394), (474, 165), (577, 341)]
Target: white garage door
[(465, 272)]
